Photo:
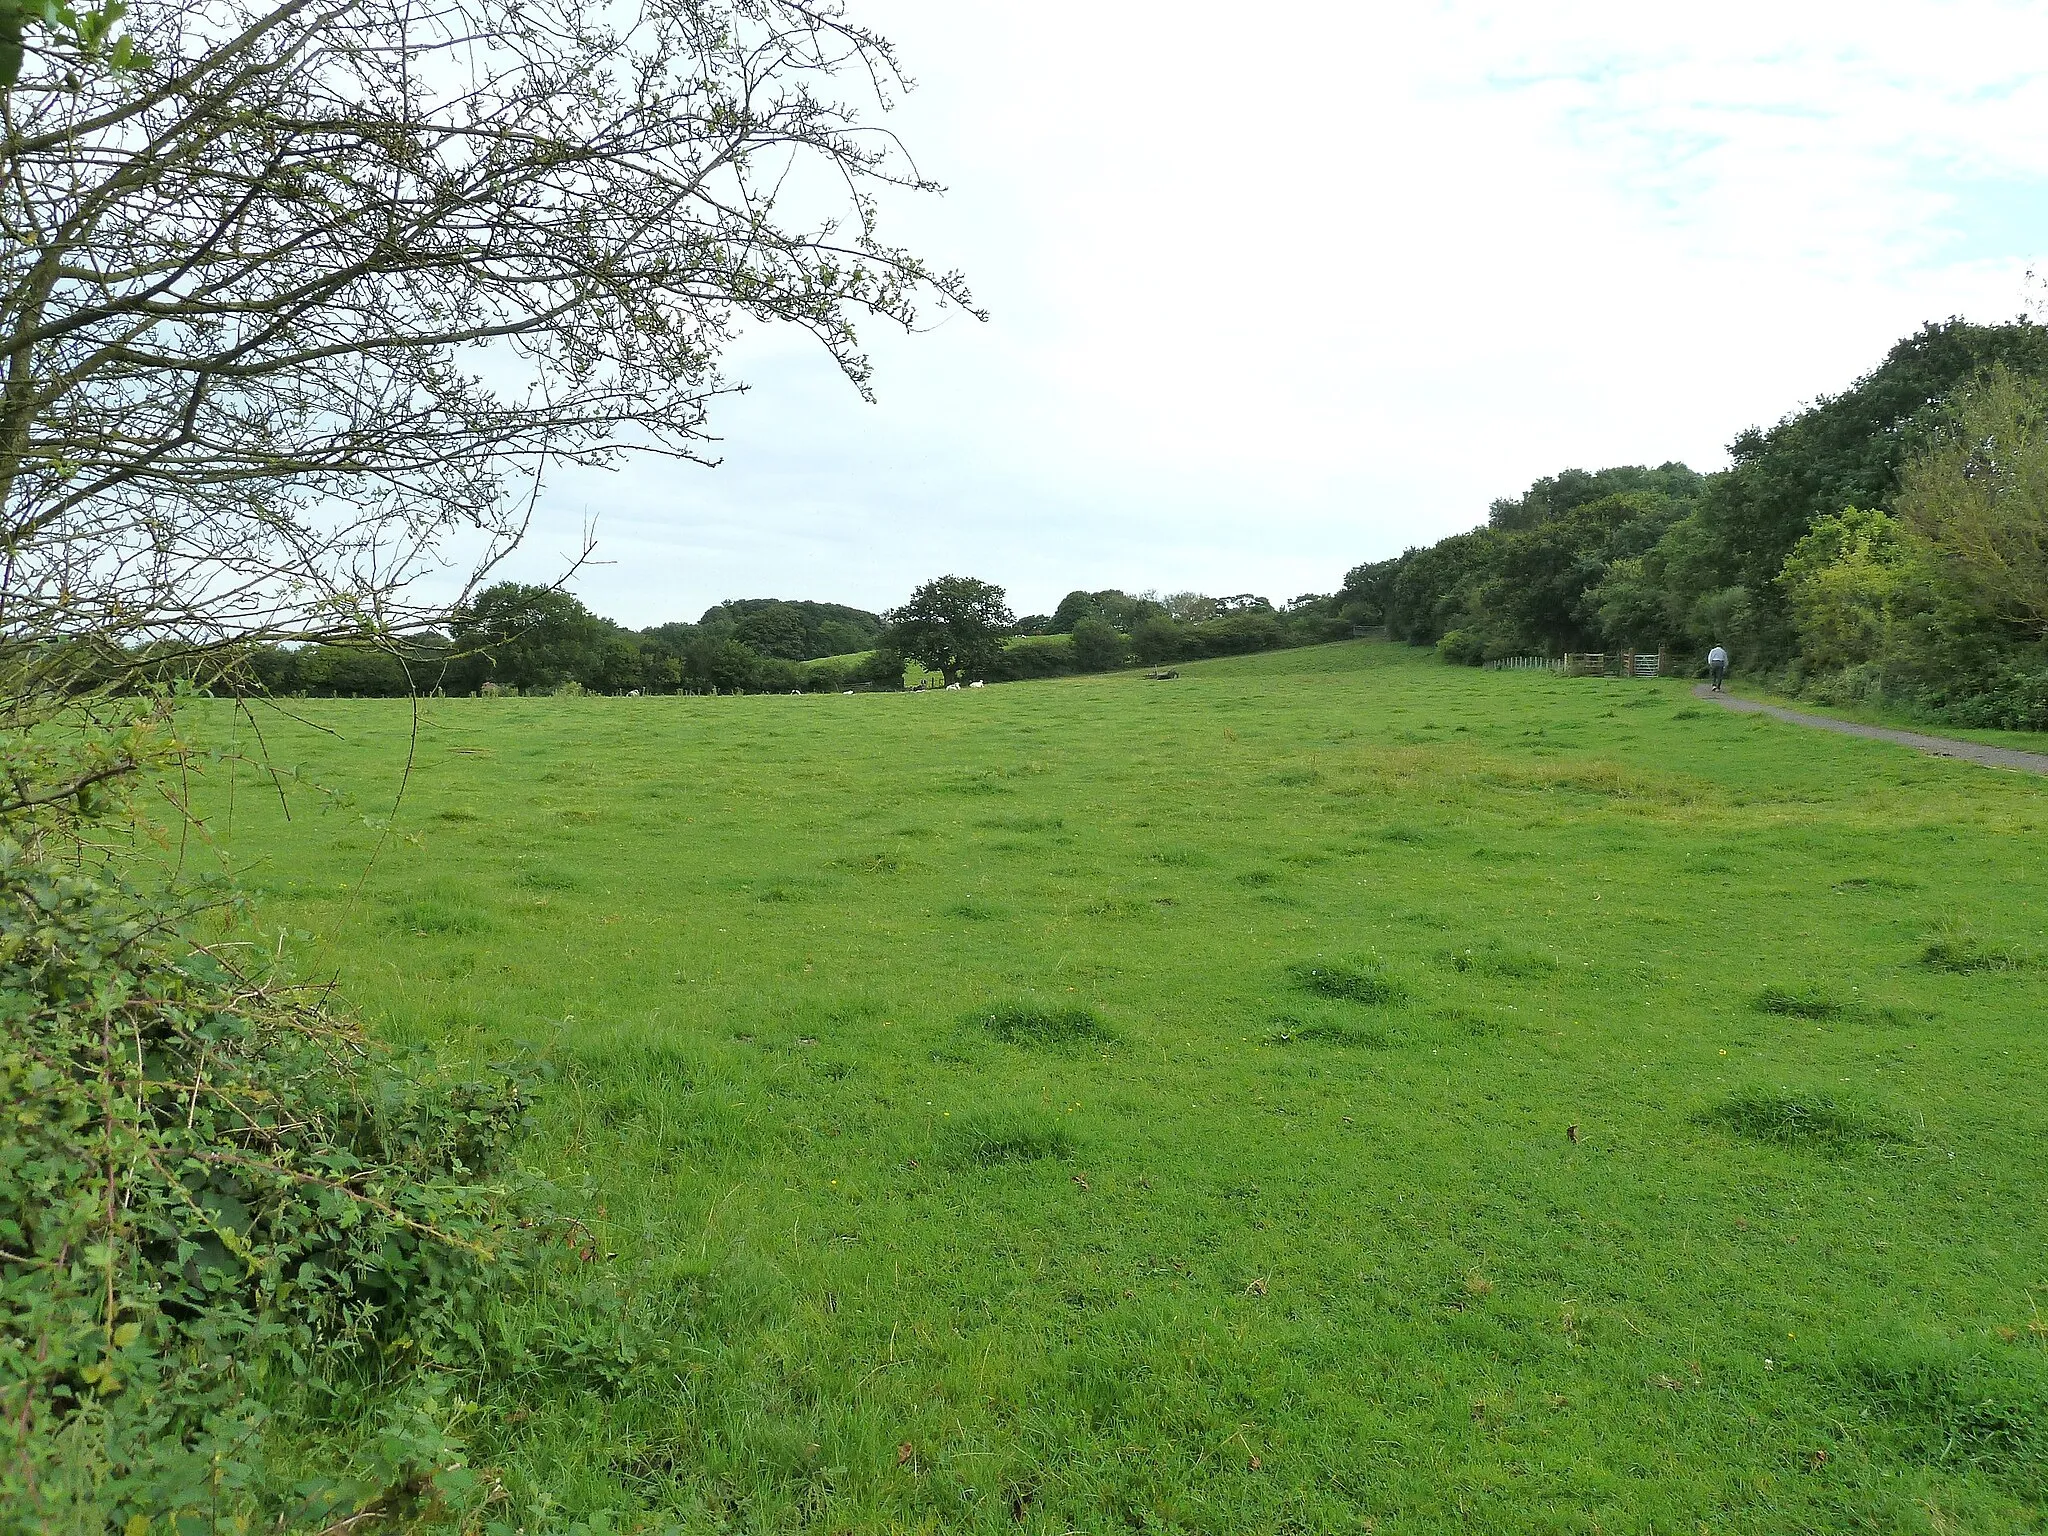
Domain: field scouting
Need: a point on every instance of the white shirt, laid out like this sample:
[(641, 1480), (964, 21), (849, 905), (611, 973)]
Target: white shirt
[(1717, 655)]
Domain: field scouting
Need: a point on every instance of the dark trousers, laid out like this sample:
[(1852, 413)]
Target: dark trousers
[(1718, 671)]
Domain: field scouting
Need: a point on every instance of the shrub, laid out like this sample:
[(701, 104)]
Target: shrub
[(1097, 646), (1028, 658), (828, 677), (883, 669), (1158, 639), (1462, 647), (209, 1191), (1357, 982)]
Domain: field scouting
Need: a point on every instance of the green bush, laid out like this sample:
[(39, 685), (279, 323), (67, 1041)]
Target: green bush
[(882, 669), (213, 1195), (1033, 657), (1462, 647), (1097, 647)]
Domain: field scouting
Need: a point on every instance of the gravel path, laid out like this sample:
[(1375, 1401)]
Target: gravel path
[(1939, 746)]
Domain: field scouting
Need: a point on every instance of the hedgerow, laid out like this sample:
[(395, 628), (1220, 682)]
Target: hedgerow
[(217, 1197)]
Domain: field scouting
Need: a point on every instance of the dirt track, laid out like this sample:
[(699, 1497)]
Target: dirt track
[(1938, 746)]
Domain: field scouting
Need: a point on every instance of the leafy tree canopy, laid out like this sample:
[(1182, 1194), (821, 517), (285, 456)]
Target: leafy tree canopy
[(1119, 610), (952, 624), (795, 630), (1847, 450), (1977, 497), (1556, 495), (528, 637)]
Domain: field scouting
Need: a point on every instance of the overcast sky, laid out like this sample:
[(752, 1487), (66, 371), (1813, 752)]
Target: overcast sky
[(1276, 290)]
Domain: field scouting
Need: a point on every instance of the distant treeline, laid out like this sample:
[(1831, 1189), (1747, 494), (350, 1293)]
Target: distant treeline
[(526, 640), (1884, 542), (1887, 542), (516, 638)]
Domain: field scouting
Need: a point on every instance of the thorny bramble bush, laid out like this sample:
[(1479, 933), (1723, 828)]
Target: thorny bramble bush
[(217, 1196)]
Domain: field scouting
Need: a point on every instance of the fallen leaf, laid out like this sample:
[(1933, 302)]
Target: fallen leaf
[(1256, 1288), (1080, 1181), (904, 1452), (1571, 1134), (1256, 1464)]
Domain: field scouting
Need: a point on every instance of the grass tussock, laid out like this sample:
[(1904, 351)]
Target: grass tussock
[(546, 877), (1350, 1034), (1125, 906), (439, 917), (1875, 883), (1493, 958), (992, 1141), (1354, 981), (1815, 1121), (1799, 1003), (1944, 1405), (1962, 955), (1032, 1023), (1471, 1023), (1022, 823)]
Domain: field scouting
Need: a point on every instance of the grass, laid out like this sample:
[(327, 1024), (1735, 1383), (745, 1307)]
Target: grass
[(1336, 1092)]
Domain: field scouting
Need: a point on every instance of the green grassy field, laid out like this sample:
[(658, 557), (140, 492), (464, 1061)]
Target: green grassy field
[(1329, 1092)]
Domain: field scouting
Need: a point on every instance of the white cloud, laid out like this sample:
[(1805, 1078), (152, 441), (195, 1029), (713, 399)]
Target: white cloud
[(1277, 293)]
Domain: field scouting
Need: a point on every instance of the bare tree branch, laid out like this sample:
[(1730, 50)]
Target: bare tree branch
[(296, 311)]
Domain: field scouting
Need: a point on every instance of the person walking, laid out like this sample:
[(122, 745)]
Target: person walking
[(1717, 667)]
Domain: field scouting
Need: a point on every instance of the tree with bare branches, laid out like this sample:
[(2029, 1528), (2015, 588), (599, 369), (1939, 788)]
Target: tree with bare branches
[(299, 299)]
